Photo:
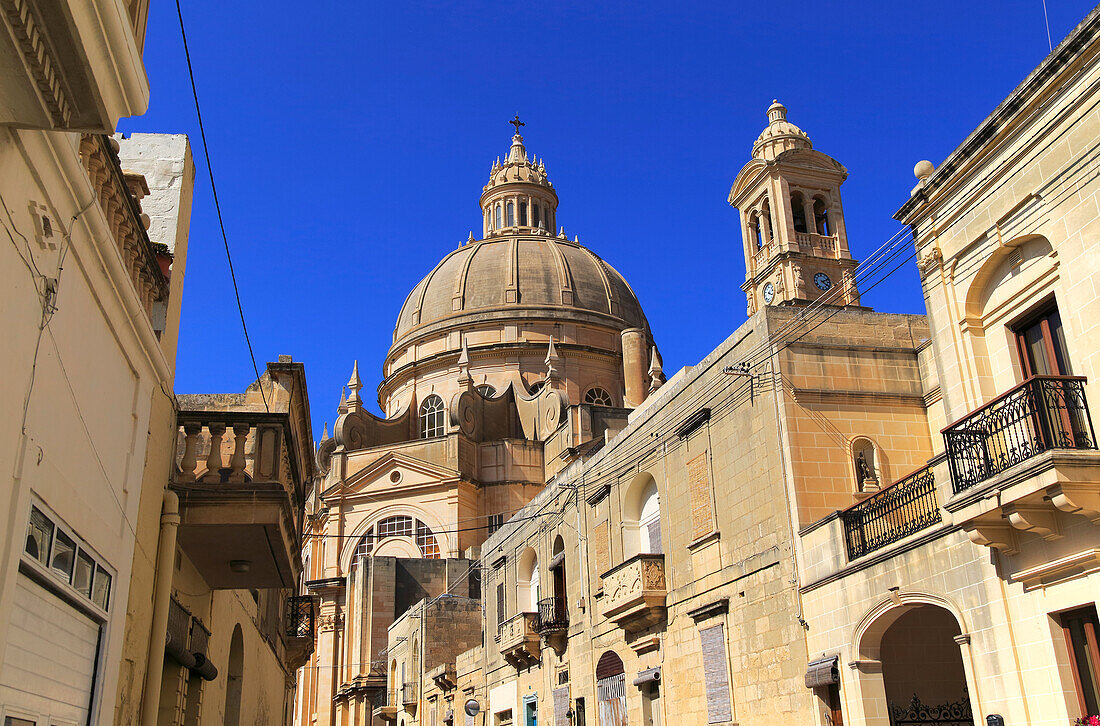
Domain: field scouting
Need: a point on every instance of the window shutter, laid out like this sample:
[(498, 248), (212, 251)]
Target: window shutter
[(561, 706), (655, 536), (500, 604), (715, 675), (702, 511), (600, 545)]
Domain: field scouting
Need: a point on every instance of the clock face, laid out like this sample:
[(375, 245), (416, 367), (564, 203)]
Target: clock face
[(822, 281), (769, 292)]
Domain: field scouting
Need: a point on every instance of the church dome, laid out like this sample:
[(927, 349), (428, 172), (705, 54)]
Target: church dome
[(515, 278), (780, 135)]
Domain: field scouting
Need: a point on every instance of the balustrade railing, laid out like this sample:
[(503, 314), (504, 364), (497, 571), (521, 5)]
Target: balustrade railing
[(817, 244), (408, 693), (553, 615), (901, 509), (300, 616), (1040, 414)]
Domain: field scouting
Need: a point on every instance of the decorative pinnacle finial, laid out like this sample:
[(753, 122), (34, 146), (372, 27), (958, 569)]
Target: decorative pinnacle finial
[(354, 384), (324, 434), (552, 358), (517, 123), (656, 371), (342, 408)]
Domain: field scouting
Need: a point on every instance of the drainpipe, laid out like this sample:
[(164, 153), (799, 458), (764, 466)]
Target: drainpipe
[(162, 592)]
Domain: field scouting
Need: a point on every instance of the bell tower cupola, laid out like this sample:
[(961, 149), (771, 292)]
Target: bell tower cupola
[(519, 197), (792, 221)]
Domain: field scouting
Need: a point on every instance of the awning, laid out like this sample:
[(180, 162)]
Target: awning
[(557, 561), (822, 672), (650, 676)]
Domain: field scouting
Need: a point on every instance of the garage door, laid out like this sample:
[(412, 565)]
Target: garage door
[(49, 663)]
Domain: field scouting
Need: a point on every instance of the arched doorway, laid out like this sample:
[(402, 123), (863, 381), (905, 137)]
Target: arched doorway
[(234, 678), (921, 678), (528, 582), (611, 689)]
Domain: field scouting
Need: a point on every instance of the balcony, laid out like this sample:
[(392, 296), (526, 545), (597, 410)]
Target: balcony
[(301, 614), (445, 676), (901, 509), (1022, 460), (519, 639), (1040, 414), (409, 696), (553, 616), (817, 244), (240, 509), (73, 66), (635, 593), (385, 705)]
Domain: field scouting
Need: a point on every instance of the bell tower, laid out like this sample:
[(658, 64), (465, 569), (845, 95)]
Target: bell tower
[(792, 221)]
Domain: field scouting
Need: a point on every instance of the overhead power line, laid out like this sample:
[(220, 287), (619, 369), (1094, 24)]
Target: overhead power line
[(217, 205)]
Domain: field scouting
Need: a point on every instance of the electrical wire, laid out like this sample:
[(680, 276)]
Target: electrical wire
[(217, 205)]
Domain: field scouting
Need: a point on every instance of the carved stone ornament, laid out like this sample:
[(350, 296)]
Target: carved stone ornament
[(929, 260)]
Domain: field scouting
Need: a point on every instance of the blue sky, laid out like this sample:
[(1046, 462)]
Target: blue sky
[(350, 142)]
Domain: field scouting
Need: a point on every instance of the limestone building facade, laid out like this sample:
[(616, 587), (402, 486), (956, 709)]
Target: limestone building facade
[(93, 264)]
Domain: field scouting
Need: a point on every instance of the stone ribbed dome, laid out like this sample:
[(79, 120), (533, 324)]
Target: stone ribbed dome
[(780, 135), (513, 278)]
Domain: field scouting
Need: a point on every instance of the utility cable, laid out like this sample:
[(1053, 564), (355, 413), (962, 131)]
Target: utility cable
[(217, 206)]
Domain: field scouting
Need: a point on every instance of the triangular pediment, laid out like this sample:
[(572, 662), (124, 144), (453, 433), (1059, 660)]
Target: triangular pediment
[(392, 471)]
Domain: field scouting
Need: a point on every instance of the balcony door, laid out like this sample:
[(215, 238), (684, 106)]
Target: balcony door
[(1042, 346)]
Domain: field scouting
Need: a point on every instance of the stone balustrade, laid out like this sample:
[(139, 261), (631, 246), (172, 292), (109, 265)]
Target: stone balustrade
[(519, 639), (818, 245), (635, 592)]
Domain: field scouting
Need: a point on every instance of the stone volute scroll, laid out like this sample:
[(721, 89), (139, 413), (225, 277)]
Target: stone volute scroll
[(357, 428)]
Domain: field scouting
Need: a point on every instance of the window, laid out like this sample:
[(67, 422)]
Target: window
[(598, 397), (649, 524), (399, 526), (536, 387), (101, 588), (1080, 628), (431, 417), (511, 214), (500, 219), (821, 218), (82, 576), (798, 212), (500, 606), (523, 214), (1041, 345), (64, 550), (486, 390), (496, 521), (715, 674), (39, 534), (535, 210), (426, 541)]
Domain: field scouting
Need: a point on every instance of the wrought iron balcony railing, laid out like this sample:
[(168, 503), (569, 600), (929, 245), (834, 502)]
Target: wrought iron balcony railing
[(300, 616), (901, 509), (553, 615), (1042, 413), (408, 693)]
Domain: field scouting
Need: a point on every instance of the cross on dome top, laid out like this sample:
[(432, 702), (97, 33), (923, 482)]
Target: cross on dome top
[(517, 123)]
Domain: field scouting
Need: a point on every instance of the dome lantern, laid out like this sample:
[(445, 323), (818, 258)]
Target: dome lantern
[(518, 197)]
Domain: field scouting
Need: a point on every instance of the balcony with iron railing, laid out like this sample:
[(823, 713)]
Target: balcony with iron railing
[(553, 616), (1022, 460), (906, 507), (409, 695)]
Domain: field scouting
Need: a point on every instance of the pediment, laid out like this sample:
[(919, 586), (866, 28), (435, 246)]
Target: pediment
[(810, 159), (379, 474)]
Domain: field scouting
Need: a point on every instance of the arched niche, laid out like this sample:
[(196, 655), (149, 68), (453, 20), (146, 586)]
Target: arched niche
[(234, 678), (527, 581), (867, 465), (641, 516)]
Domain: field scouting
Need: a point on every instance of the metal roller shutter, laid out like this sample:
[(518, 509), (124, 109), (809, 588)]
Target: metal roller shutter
[(49, 664)]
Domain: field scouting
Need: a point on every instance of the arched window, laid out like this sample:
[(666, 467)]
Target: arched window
[(527, 582), (399, 526), (611, 689), (598, 397), (234, 678), (821, 218), (486, 390), (431, 417), (500, 217), (754, 230), (511, 214), (649, 523), (536, 387), (523, 214), (767, 228), (798, 211), (536, 210)]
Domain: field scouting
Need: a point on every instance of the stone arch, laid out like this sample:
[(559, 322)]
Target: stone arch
[(823, 225), (234, 678), (1017, 277), (527, 581), (911, 649), (641, 513), (351, 542)]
